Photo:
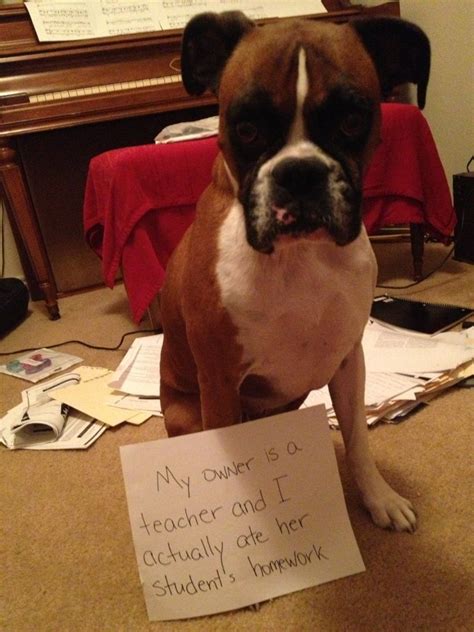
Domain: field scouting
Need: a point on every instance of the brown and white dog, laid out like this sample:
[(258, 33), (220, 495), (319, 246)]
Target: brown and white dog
[(267, 295)]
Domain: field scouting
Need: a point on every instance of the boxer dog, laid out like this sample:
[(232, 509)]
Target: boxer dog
[(268, 293)]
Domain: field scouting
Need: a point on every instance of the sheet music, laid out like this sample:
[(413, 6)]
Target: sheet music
[(83, 19), (120, 17), (61, 20), (175, 14)]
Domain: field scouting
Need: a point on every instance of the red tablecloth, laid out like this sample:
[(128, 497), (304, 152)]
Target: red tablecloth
[(140, 200)]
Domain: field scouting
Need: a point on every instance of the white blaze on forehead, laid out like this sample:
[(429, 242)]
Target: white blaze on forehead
[(297, 131), (232, 180)]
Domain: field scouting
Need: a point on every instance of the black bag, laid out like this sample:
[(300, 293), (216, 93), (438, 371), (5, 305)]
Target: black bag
[(14, 299)]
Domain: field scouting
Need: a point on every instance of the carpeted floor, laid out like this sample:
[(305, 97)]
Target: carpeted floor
[(67, 561)]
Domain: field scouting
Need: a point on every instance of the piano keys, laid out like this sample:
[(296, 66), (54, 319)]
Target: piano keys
[(74, 93)]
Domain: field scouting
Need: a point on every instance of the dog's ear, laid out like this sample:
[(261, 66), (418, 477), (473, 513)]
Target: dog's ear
[(208, 41), (400, 51)]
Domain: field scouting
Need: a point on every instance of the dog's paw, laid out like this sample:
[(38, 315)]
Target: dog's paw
[(389, 510)]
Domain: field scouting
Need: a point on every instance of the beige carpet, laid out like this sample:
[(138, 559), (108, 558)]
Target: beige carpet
[(67, 560)]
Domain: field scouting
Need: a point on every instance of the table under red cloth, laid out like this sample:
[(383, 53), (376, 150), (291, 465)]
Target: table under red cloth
[(140, 200)]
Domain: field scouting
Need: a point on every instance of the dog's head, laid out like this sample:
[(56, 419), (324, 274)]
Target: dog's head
[(299, 113)]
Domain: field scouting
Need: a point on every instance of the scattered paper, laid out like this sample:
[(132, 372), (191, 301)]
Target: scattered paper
[(139, 371), (90, 397), (404, 371), (390, 351), (79, 432), (401, 375), (41, 393), (226, 518), (378, 388), (39, 364), (42, 423)]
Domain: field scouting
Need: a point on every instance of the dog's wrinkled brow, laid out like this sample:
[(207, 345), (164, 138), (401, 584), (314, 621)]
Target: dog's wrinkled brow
[(254, 104), (347, 96)]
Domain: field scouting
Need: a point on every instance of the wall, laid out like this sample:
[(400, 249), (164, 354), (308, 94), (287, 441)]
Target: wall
[(450, 103)]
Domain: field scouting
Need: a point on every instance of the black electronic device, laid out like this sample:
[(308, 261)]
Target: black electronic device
[(463, 195)]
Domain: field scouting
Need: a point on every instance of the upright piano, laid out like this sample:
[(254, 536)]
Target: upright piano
[(62, 103)]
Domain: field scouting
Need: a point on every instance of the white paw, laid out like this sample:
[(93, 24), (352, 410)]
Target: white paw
[(389, 510)]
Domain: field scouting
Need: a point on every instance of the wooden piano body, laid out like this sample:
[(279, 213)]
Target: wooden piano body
[(62, 103)]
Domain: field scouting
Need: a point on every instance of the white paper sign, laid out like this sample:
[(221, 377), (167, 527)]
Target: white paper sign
[(226, 518)]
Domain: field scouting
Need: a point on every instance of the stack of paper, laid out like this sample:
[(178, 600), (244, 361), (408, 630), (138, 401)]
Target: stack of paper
[(138, 376), (91, 394), (405, 370)]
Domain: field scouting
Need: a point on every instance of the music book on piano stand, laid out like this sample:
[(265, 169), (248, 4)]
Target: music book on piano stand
[(64, 20), (419, 316)]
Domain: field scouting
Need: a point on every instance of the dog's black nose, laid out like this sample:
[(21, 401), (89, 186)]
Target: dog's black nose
[(300, 176)]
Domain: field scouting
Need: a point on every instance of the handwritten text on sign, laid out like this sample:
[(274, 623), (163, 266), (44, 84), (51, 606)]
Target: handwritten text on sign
[(226, 518)]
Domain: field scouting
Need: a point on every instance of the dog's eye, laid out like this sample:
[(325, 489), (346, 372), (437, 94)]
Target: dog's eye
[(247, 132), (352, 124)]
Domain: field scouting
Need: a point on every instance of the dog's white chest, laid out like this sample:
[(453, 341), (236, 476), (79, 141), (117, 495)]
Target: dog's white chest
[(298, 311)]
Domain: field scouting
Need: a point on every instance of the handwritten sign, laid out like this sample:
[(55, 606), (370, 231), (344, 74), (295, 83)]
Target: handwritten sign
[(226, 518)]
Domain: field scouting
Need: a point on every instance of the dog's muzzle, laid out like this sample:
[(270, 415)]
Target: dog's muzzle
[(298, 185), (296, 196)]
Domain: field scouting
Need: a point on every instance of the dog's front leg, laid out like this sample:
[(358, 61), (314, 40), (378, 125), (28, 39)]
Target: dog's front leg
[(387, 508), (220, 401), (218, 359)]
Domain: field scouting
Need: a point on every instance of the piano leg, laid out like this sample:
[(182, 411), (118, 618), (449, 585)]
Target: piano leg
[(22, 216)]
